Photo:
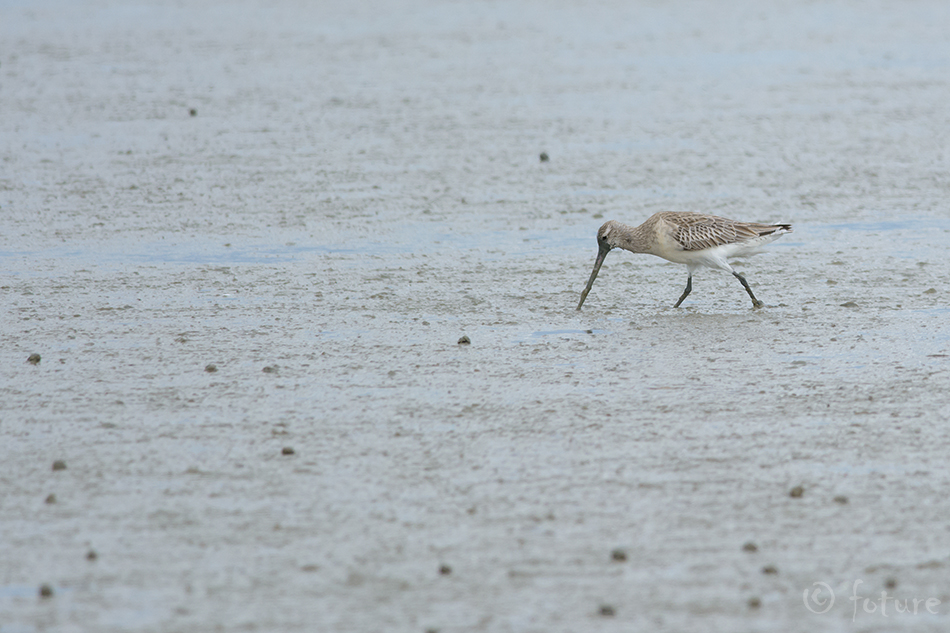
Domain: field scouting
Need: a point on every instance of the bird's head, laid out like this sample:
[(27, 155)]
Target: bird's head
[(607, 231)]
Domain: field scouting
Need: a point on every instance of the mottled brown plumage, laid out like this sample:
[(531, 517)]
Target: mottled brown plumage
[(696, 231)]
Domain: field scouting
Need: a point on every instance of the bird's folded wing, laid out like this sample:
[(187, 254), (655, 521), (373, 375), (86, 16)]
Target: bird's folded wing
[(699, 232)]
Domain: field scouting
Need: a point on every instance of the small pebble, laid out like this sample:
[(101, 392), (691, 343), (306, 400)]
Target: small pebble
[(890, 583), (796, 492), (46, 591), (754, 603), (465, 341), (445, 570), (287, 450), (193, 112), (211, 368), (91, 555), (770, 569), (750, 547), (607, 611), (544, 157), (34, 359), (59, 465), (51, 498), (841, 499), (618, 555)]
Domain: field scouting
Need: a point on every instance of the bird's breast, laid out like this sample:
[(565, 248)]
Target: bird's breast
[(665, 246)]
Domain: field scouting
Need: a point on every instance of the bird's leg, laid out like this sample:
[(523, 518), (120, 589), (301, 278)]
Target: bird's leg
[(745, 284), (689, 288)]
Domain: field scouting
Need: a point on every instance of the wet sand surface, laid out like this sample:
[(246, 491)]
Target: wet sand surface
[(230, 229)]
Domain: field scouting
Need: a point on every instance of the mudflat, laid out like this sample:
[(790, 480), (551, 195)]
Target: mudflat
[(240, 244)]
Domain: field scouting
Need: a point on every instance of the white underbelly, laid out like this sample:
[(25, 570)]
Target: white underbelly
[(715, 257)]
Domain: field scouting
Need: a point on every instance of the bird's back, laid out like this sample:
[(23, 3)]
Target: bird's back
[(699, 231)]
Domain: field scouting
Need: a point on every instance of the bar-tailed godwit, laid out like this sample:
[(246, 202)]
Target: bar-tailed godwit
[(694, 239)]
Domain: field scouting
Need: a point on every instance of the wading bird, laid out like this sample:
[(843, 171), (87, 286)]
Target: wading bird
[(694, 239)]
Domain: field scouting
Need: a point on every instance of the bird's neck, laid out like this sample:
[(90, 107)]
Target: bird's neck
[(635, 239)]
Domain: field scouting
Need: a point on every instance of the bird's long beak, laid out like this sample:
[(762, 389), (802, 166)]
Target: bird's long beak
[(604, 249)]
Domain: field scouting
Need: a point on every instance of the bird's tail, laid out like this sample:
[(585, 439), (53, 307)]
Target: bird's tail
[(775, 228)]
